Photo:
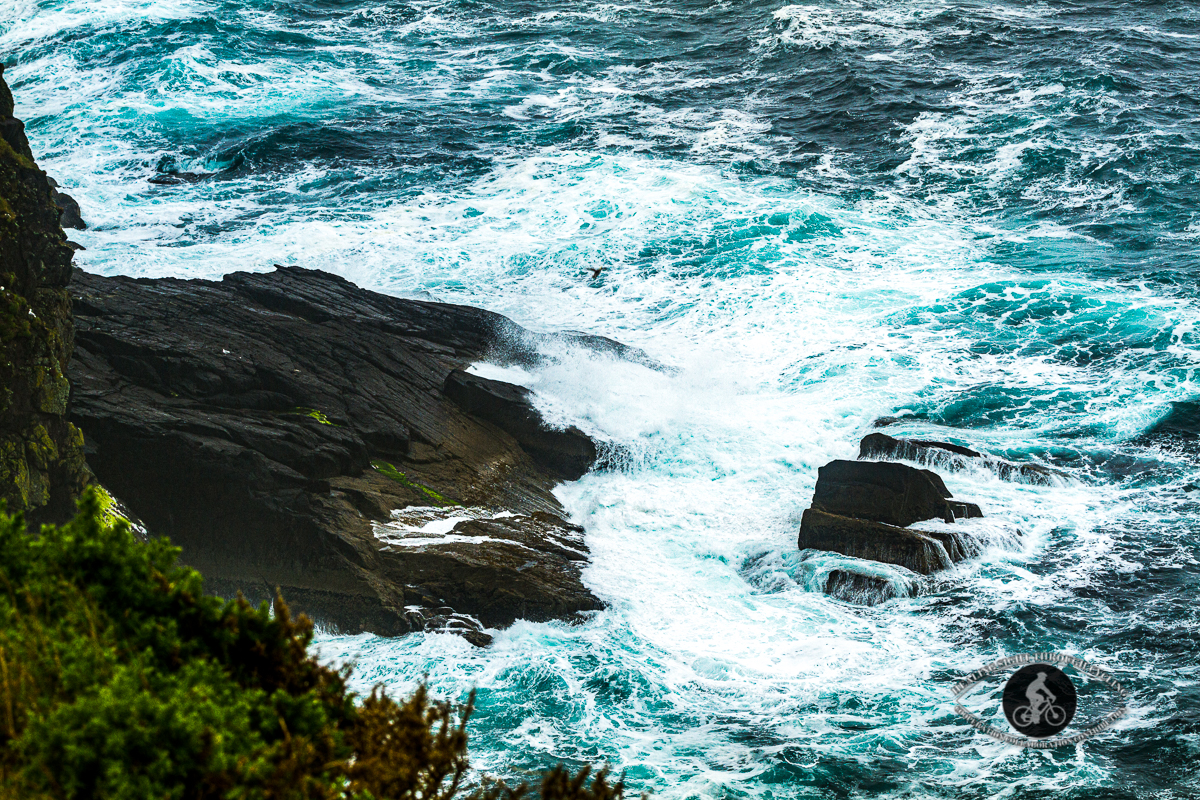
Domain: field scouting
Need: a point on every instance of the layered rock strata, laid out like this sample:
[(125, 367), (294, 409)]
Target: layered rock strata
[(567, 454)]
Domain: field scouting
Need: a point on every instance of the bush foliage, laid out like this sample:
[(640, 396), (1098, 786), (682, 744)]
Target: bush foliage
[(119, 678)]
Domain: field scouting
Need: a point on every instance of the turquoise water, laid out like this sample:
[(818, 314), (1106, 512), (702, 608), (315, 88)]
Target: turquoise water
[(979, 217)]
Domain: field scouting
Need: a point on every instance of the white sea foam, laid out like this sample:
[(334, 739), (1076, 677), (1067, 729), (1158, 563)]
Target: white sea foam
[(851, 25), (25, 20), (784, 361)]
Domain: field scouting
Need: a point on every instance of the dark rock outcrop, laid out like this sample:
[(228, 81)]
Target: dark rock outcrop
[(567, 454), (69, 214), (42, 468), (896, 494), (863, 509), (174, 178), (947, 455), (499, 567), (271, 424), (874, 541)]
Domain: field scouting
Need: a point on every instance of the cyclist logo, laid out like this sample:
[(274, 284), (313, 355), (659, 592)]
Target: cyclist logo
[(1039, 700)]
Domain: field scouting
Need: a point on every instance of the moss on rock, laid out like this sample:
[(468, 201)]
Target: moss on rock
[(389, 471), (42, 467)]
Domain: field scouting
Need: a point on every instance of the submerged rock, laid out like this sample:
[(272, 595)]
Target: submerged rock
[(42, 469), (860, 588), (174, 178), (1179, 427), (954, 457), (270, 423)]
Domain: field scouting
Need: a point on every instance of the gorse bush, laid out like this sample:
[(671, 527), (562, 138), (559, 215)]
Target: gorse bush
[(119, 678)]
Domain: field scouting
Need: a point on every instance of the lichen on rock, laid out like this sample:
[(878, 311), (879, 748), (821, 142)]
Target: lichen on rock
[(42, 468)]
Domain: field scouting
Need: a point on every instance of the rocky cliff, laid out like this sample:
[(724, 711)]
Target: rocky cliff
[(289, 429), (42, 467)]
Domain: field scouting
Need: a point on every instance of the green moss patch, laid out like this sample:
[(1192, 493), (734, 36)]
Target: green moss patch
[(390, 471), (14, 317), (110, 512), (7, 152), (316, 414)]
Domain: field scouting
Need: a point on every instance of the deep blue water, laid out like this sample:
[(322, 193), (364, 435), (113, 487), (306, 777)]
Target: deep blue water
[(982, 217)]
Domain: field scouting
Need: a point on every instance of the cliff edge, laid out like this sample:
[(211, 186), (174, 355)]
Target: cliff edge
[(290, 429), (42, 469)]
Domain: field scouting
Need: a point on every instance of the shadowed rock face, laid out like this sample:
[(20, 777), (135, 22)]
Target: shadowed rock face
[(69, 214), (875, 541), (42, 469), (567, 454), (270, 424), (895, 494)]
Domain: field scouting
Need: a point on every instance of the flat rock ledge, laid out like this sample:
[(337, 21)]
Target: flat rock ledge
[(873, 541), (283, 428)]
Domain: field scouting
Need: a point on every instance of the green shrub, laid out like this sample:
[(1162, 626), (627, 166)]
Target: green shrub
[(119, 678)]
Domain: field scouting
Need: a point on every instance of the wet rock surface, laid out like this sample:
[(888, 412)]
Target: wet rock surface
[(272, 424), (496, 565), (946, 455), (859, 588), (863, 509)]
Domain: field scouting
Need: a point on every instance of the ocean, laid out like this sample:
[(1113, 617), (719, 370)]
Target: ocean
[(979, 218)]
